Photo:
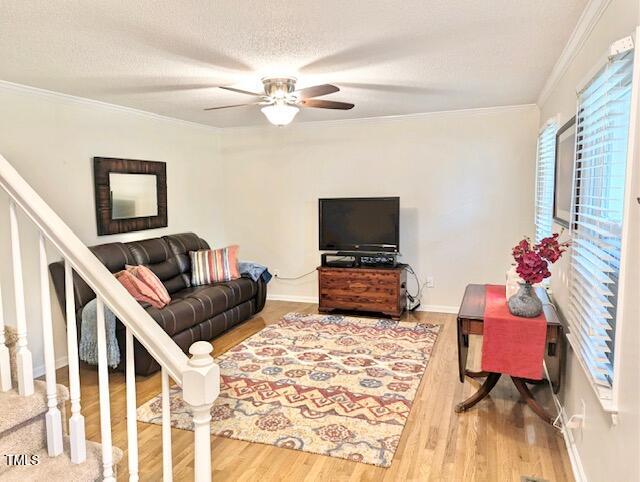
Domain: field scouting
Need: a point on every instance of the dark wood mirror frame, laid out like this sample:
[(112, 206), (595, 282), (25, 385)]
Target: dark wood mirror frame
[(102, 167)]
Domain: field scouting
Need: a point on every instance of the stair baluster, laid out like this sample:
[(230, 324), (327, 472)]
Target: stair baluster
[(167, 464), (103, 386), (53, 418), (23, 355), (132, 424), (5, 363), (76, 422), (200, 387)]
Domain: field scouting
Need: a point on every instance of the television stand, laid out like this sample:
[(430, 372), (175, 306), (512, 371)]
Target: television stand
[(365, 289)]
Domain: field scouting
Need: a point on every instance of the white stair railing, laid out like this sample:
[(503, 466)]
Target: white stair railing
[(23, 355), (78, 447), (198, 376), (53, 418), (5, 361), (132, 425)]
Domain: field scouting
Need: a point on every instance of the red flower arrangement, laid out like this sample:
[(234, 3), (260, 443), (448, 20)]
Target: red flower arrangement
[(533, 260)]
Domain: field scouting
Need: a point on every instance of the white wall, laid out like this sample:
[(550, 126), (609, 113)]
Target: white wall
[(608, 453), (465, 180), (51, 140)]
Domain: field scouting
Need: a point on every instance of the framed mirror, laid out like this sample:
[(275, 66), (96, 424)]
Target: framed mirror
[(131, 195)]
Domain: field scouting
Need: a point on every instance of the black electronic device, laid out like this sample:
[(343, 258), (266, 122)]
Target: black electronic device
[(359, 260)]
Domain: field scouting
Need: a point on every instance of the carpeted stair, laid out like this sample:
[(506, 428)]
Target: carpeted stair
[(22, 421), (23, 431)]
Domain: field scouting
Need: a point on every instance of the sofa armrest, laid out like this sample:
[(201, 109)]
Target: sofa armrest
[(261, 295)]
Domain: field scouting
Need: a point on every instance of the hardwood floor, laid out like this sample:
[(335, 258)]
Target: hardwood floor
[(498, 440)]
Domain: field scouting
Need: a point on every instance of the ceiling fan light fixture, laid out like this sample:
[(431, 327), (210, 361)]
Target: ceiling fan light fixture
[(281, 101), (280, 114)]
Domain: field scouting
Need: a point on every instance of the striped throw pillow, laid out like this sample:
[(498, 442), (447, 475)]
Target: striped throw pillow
[(213, 265)]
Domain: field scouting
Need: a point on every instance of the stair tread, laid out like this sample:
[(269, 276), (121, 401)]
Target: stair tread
[(17, 409), (61, 468)]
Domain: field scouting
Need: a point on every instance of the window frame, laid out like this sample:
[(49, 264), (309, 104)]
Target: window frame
[(551, 123), (610, 405)]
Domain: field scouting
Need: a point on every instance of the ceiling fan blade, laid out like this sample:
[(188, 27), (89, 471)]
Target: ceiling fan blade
[(234, 105), (240, 91), (316, 91), (326, 104)]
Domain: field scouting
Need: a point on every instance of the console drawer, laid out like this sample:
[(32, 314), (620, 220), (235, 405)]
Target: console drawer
[(366, 289)]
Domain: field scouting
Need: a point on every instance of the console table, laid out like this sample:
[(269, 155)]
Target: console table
[(375, 290), (470, 322)]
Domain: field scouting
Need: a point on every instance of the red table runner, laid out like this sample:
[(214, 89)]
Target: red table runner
[(511, 344)]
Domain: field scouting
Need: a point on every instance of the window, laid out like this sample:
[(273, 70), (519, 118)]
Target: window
[(602, 131), (545, 171)]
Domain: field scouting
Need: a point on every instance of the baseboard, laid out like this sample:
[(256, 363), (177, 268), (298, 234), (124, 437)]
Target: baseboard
[(439, 309), (314, 299), (39, 370), (292, 298), (572, 449)]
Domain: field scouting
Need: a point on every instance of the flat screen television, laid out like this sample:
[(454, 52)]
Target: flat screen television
[(360, 224)]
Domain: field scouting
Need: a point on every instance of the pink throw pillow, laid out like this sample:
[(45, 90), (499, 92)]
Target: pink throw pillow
[(138, 289), (144, 274)]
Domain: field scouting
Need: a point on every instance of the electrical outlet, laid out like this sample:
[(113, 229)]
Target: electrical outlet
[(429, 283), (275, 272), (577, 420)]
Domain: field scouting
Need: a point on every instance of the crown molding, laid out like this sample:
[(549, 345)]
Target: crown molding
[(586, 23), (11, 86)]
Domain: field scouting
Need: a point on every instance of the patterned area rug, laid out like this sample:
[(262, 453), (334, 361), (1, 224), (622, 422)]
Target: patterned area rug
[(330, 385)]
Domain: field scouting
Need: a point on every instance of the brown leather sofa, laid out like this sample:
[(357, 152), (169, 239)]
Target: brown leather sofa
[(195, 312)]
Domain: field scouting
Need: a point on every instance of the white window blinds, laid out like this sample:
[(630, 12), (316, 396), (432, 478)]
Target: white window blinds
[(545, 173), (602, 130)]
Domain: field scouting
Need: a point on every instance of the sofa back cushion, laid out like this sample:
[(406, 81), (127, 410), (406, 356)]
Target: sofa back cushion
[(156, 255), (115, 256), (181, 245)]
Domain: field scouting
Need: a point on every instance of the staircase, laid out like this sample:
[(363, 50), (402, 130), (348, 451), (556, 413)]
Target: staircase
[(23, 435), (23, 441), (34, 431)]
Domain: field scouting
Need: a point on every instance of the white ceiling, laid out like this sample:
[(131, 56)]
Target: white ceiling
[(389, 57)]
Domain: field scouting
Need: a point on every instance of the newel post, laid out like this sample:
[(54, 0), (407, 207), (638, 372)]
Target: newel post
[(200, 387)]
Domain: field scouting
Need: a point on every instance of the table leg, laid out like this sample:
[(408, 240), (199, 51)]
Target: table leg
[(472, 374), (528, 397), (482, 392)]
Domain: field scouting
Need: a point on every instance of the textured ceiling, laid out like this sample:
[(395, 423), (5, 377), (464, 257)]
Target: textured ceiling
[(389, 57)]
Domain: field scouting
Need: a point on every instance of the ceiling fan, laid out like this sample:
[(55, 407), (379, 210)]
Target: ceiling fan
[(281, 101)]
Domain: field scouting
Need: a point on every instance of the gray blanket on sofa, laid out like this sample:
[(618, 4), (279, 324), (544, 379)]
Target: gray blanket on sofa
[(88, 348)]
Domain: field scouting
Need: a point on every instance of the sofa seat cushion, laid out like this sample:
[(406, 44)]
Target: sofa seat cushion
[(194, 305), (219, 297), (179, 315), (242, 289)]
